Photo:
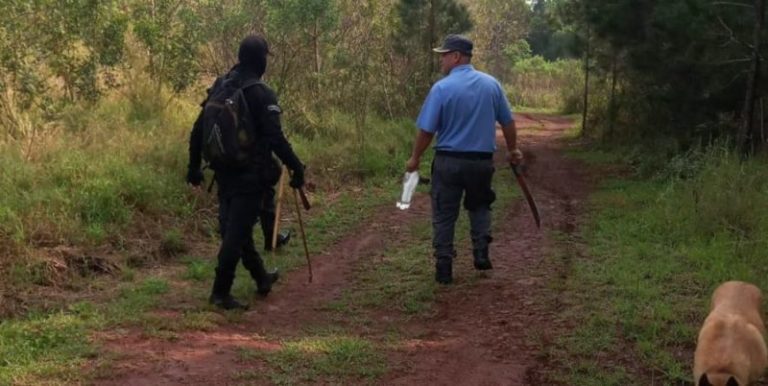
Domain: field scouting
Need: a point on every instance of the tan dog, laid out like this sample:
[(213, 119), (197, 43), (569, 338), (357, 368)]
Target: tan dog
[(731, 348)]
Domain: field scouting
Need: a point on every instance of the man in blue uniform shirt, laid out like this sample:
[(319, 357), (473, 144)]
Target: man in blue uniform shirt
[(462, 109)]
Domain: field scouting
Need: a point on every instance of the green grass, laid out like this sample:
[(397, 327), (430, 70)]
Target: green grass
[(173, 242), (597, 157), (656, 250), (337, 150), (114, 169), (334, 359), (400, 278), (44, 348), (84, 187), (199, 270), (51, 347)]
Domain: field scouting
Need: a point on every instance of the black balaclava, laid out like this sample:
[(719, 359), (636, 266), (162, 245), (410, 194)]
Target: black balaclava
[(253, 54)]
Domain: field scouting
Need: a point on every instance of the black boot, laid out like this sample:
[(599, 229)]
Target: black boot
[(482, 261), (264, 279), (226, 302), (264, 285), (282, 239), (220, 296), (444, 271)]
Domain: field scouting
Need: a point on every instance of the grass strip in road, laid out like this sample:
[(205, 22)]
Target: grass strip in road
[(327, 359), (401, 277)]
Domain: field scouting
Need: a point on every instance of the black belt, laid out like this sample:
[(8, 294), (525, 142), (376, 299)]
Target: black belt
[(472, 155)]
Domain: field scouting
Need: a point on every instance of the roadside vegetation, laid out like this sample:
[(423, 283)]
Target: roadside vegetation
[(646, 262), (52, 347)]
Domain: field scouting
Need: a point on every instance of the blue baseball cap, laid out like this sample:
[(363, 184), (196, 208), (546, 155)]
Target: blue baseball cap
[(455, 42)]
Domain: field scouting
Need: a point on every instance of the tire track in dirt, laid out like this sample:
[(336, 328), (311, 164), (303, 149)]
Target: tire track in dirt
[(485, 331)]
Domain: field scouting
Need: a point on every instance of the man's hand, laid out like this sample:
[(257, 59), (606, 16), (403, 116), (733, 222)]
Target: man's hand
[(195, 177), (412, 165), (515, 157), (297, 178)]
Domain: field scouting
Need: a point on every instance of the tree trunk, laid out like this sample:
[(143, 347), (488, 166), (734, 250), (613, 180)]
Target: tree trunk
[(318, 63), (586, 89), (762, 122), (612, 104), (431, 60), (747, 137)]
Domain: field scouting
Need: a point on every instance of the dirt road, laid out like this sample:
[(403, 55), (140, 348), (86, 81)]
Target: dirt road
[(483, 330)]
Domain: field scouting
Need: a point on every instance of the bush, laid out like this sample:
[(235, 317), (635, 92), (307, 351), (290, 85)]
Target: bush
[(727, 196), (341, 150), (538, 83), (86, 182)]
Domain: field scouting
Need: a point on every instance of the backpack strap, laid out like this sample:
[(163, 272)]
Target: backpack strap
[(248, 83)]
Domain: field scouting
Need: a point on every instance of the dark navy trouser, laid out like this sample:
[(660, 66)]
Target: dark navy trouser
[(452, 178)]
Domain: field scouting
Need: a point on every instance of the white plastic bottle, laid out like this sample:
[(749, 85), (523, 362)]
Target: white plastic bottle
[(410, 180)]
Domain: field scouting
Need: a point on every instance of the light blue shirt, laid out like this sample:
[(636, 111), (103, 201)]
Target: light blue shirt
[(463, 108)]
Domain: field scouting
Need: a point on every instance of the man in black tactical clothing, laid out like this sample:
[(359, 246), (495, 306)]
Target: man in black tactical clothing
[(242, 191)]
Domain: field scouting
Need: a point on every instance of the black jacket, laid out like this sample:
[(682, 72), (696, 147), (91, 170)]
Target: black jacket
[(262, 102)]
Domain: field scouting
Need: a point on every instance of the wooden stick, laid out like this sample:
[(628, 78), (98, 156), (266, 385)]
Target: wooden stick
[(301, 228), (278, 205)]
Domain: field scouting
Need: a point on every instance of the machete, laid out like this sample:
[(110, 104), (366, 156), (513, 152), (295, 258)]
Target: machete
[(524, 187)]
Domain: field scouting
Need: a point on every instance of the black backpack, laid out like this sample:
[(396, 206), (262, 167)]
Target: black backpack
[(228, 125)]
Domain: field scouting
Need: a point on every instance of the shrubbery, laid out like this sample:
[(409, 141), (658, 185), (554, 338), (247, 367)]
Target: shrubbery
[(538, 83)]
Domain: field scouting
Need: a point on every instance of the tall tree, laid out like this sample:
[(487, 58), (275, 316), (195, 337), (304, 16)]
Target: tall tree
[(747, 137), (500, 28), (540, 31), (69, 41), (421, 26), (171, 32), (683, 64), (226, 23), (299, 29)]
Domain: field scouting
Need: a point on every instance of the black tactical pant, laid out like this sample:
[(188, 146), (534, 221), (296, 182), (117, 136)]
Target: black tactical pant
[(267, 216), (454, 176), (237, 216)]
